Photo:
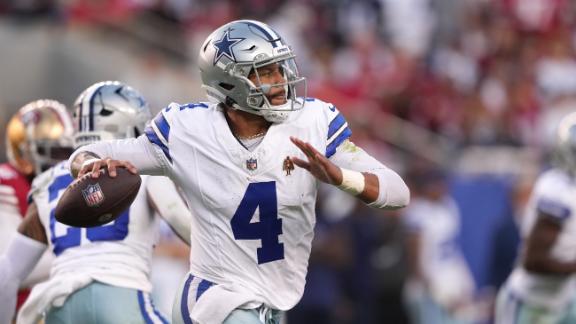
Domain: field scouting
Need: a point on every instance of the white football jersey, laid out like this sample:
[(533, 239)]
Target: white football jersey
[(117, 254), (553, 194), (254, 212), (443, 266)]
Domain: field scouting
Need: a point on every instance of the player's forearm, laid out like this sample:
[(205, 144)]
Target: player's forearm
[(32, 227), (538, 256), (548, 266), (138, 151), (20, 258), (382, 189), (386, 190), (369, 179)]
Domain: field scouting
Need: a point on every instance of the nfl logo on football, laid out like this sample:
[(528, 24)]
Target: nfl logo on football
[(251, 164), (93, 195)]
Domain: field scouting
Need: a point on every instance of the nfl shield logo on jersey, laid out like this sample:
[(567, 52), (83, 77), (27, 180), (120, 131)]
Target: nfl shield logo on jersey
[(93, 195), (251, 164)]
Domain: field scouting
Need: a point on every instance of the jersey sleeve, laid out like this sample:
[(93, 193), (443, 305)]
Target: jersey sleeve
[(338, 130), (158, 130), (551, 199), (170, 205), (145, 156)]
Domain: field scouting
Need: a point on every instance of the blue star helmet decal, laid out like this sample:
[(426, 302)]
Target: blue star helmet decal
[(224, 46)]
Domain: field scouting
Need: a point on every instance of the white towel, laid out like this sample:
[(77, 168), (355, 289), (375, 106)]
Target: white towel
[(50, 293), (219, 301)]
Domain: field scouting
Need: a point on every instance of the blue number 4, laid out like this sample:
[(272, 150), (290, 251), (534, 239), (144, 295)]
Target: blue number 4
[(262, 195)]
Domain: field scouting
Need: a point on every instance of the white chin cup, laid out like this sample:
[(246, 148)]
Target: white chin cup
[(275, 116)]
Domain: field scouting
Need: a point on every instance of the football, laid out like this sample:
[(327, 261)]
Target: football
[(89, 202)]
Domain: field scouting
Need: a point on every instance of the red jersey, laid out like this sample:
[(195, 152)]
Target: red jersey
[(14, 188)]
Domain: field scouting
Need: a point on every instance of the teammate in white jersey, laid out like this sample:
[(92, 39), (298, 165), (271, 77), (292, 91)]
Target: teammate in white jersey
[(249, 164), (542, 287), (100, 274)]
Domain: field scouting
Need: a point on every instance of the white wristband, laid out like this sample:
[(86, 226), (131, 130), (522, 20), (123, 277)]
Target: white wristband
[(352, 182)]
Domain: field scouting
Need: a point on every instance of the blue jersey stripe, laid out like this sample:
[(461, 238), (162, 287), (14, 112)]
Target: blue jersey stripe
[(153, 138), (555, 209), (184, 301), (202, 287), (143, 311), (162, 125), (335, 125), (190, 106), (331, 149), (59, 183)]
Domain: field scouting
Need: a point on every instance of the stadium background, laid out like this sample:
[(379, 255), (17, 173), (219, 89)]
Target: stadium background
[(471, 89)]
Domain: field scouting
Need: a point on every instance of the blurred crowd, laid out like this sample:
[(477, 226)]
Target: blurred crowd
[(490, 73), (477, 71)]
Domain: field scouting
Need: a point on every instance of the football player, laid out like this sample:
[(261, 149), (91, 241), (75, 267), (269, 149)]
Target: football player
[(249, 164), (99, 274), (440, 285), (542, 287), (37, 136)]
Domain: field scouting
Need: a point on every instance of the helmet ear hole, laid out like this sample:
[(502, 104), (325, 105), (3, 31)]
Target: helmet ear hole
[(226, 86), (106, 112)]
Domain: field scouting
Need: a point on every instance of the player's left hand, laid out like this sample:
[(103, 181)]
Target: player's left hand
[(317, 164)]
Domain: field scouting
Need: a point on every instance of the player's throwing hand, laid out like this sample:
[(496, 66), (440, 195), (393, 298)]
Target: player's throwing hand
[(94, 165), (318, 165)]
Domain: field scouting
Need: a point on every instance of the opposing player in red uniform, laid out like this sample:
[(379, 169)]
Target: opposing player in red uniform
[(37, 136)]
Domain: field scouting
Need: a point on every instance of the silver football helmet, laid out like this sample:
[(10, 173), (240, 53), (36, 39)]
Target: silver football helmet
[(566, 143), (109, 110), (232, 52)]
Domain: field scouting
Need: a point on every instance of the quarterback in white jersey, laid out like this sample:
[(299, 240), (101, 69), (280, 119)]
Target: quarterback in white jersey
[(99, 274), (235, 160), (542, 287)]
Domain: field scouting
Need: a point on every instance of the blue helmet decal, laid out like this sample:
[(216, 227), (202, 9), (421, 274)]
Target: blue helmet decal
[(224, 46)]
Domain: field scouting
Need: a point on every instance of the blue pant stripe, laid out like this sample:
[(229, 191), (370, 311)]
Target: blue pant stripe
[(142, 305), (158, 314), (184, 301)]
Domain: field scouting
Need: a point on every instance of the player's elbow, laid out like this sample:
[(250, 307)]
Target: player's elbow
[(395, 193), (404, 195), (399, 197)]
